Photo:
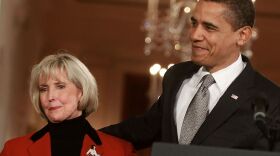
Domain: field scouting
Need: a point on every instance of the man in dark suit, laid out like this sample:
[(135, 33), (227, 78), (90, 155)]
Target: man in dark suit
[(220, 28)]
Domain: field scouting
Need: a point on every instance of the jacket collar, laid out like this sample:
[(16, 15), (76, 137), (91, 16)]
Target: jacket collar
[(89, 130), (42, 146), (41, 142)]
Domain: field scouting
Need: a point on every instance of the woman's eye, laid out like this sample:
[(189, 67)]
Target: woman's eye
[(42, 90), (60, 86)]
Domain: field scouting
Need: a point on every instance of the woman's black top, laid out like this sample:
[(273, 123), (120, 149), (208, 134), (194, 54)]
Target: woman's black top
[(67, 136)]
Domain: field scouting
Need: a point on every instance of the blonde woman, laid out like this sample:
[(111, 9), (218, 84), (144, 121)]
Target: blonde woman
[(64, 92)]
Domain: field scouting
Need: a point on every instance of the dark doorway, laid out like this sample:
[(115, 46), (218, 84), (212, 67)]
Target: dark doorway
[(135, 97)]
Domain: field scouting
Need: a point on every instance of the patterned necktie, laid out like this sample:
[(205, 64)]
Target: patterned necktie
[(197, 111)]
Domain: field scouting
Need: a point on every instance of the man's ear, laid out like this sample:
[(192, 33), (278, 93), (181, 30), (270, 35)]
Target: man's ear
[(244, 35)]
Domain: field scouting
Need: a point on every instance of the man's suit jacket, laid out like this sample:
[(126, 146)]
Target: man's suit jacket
[(230, 123), (24, 146)]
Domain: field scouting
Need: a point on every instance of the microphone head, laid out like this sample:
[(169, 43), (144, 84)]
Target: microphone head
[(260, 103), (260, 107)]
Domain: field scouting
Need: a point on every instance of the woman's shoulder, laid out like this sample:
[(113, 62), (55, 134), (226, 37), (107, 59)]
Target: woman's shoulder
[(20, 140), (17, 144)]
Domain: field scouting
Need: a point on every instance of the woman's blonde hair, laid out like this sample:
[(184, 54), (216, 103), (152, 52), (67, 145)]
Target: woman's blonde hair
[(76, 72)]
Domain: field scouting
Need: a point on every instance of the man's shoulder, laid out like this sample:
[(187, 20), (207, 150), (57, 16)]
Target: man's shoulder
[(182, 68), (263, 82), (184, 65)]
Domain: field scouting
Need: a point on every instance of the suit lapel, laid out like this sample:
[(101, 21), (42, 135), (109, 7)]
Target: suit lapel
[(236, 95), (41, 147)]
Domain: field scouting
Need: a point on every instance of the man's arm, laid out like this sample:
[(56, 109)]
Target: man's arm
[(141, 131)]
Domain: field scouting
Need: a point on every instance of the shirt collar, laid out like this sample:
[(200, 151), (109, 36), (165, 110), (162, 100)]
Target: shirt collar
[(223, 77), (195, 80), (226, 76)]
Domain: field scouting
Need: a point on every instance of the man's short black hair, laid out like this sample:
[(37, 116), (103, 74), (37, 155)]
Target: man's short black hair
[(240, 13)]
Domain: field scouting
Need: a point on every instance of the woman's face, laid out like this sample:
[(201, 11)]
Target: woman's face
[(59, 97)]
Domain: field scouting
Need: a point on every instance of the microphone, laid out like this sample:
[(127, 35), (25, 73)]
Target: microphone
[(271, 131), (260, 106)]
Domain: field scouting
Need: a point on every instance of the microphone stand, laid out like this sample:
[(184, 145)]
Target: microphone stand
[(273, 135), (268, 126), (271, 132)]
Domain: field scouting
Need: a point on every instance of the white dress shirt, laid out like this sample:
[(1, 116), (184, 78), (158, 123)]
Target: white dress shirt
[(189, 87)]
